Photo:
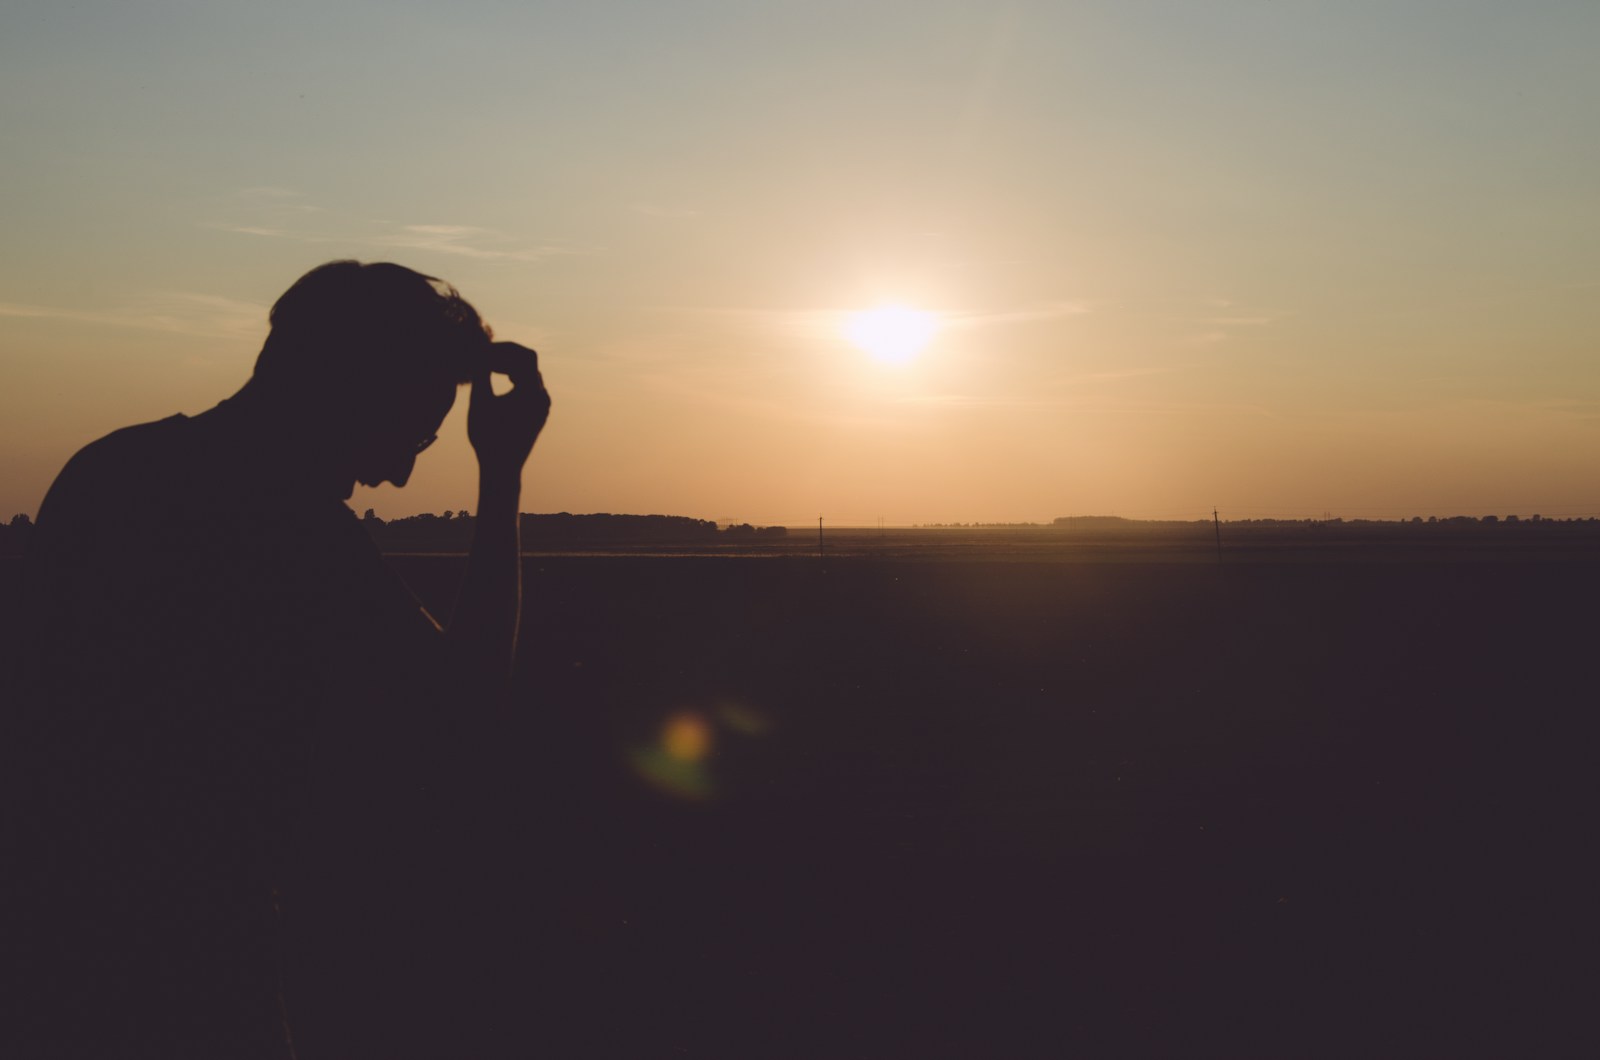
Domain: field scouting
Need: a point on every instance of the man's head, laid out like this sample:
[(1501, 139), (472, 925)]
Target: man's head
[(368, 358)]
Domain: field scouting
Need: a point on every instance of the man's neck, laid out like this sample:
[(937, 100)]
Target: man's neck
[(275, 445)]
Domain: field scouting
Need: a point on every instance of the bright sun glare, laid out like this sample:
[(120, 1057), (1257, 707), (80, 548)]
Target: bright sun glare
[(892, 334)]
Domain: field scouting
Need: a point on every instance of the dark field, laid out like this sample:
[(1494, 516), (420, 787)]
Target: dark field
[(1334, 804), (972, 796)]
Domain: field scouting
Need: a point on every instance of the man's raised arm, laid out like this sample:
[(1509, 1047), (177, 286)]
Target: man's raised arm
[(502, 429)]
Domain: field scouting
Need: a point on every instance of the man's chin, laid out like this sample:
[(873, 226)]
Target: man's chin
[(370, 484)]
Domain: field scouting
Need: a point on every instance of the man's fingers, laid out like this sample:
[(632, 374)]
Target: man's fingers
[(521, 366), (510, 359)]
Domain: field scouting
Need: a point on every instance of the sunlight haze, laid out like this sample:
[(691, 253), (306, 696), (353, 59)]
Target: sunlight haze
[(891, 334), (1281, 258)]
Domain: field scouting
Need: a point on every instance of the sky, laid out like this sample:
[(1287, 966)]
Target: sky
[(1278, 257)]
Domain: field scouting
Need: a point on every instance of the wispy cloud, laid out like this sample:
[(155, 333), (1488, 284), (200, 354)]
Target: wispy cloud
[(469, 242), (1027, 314), (1082, 401), (831, 319), (278, 213), (699, 392), (13, 309), (1580, 408), (1225, 318), (984, 401), (253, 230), (174, 312), (1242, 322), (1121, 373), (808, 324)]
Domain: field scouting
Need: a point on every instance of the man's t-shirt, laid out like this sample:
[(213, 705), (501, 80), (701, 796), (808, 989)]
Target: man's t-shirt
[(231, 714)]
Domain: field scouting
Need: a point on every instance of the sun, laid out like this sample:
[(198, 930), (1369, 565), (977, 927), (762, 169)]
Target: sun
[(891, 334)]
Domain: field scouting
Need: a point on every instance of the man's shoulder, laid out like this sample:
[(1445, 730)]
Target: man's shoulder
[(109, 457), (123, 467), (137, 440)]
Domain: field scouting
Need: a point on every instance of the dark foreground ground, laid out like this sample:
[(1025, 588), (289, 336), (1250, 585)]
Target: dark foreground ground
[(963, 803), (965, 808)]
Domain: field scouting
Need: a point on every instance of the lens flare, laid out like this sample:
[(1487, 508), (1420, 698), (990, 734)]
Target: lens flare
[(686, 736), (744, 720), (676, 762)]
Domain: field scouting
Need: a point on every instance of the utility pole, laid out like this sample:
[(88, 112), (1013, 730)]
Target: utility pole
[(819, 537), (1217, 522)]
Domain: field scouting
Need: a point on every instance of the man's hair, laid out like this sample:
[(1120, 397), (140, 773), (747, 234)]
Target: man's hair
[(345, 323)]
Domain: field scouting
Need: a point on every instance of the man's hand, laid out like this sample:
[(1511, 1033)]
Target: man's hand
[(503, 428)]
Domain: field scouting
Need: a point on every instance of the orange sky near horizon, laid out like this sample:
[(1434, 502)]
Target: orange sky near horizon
[(1282, 259)]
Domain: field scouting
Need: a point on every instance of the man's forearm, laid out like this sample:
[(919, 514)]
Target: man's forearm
[(484, 625), (502, 429)]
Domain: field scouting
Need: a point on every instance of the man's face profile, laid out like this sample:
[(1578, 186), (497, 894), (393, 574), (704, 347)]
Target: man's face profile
[(402, 424)]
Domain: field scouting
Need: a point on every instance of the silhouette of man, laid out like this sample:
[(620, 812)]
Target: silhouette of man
[(239, 729)]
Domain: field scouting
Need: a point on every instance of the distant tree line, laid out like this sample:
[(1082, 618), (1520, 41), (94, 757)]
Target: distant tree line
[(14, 535), (1461, 522), (977, 526), (1105, 522), (1115, 522), (1120, 524), (452, 531)]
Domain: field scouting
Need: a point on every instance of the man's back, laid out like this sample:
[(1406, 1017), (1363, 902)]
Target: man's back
[(237, 772), (213, 664)]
